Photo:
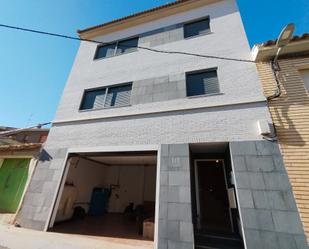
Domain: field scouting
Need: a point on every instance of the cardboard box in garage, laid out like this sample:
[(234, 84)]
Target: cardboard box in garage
[(148, 228)]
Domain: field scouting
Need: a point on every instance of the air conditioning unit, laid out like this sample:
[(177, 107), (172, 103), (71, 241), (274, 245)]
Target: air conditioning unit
[(264, 127)]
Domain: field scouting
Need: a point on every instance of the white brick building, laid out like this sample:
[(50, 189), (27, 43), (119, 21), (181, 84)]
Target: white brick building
[(185, 127)]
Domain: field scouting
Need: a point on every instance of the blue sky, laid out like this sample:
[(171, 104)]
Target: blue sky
[(34, 68)]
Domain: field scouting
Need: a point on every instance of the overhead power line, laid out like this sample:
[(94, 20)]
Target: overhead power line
[(106, 43), (15, 131)]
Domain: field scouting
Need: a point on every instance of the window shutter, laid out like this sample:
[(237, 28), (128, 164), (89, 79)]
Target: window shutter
[(196, 28), (202, 83), (118, 96), (127, 46), (99, 99), (93, 99), (105, 51)]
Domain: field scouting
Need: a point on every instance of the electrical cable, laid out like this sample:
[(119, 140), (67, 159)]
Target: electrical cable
[(106, 43), (15, 131)]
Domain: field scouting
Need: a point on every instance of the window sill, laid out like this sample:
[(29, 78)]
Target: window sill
[(113, 56), (204, 95), (103, 108)]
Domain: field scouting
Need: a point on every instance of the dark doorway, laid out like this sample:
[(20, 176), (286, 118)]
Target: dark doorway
[(214, 204), (213, 211)]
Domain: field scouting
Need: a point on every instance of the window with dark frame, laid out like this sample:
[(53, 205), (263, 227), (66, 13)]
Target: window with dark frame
[(117, 48), (105, 51), (196, 28), (118, 95), (113, 96), (202, 83), (127, 46)]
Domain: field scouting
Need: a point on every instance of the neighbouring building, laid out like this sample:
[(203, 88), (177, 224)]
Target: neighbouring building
[(290, 111), (19, 153), (165, 146)]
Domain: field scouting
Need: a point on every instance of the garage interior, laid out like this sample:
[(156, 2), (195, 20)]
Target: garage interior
[(109, 195)]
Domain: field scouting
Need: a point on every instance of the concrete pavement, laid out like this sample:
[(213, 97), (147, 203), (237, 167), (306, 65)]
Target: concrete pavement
[(20, 238)]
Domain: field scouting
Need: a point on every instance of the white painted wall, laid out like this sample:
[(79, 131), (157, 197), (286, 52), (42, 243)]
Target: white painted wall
[(213, 125), (86, 175), (136, 184), (133, 187), (238, 80), (131, 181)]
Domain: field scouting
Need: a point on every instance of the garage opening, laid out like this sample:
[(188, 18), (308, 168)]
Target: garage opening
[(109, 195)]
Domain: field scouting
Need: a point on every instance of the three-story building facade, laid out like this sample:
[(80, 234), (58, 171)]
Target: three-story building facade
[(164, 110)]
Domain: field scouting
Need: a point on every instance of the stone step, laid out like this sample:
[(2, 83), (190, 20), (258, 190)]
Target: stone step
[(218, 241)]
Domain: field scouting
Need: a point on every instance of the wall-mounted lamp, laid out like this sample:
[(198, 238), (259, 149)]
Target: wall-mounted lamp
[(283, 40)]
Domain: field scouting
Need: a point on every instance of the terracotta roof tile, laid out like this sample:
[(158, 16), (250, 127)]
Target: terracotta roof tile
[(15, 147), (8, 141), (133, 15), (294, 39)]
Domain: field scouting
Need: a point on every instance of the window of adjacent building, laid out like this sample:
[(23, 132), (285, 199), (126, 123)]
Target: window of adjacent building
[(117, 48), (201, 83), (112, 96), (196, 28), (305, 75)]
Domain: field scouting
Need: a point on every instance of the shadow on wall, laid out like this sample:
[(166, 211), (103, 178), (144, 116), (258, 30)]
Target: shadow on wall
[(292, 97), (44, 156)]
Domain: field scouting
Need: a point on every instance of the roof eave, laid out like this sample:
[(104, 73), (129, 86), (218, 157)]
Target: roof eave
[(20, 147), (266, 53), (142, 17)]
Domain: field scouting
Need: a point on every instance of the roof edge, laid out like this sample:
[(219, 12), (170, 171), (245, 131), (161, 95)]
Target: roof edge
[(142, 17), (299, 45), (18, 147)]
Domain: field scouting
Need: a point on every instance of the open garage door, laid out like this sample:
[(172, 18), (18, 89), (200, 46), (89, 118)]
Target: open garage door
[(109, 195)]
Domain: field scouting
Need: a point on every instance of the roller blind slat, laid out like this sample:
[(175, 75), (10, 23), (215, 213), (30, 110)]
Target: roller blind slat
[(118, 96), (202, 83)]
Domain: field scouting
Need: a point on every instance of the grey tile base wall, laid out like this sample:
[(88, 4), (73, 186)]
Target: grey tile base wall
[(175, 216), (159, 89), (267, 206), (162, 36), (38, 199)]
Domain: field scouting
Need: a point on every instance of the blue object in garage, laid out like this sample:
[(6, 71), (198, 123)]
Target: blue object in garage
[(99, 201)]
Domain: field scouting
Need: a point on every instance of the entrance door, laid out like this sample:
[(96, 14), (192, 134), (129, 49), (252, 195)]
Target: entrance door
[(13, 178), (211, 197)]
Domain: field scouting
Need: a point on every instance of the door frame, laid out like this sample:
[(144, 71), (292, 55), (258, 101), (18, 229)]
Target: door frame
[(197, 193)]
